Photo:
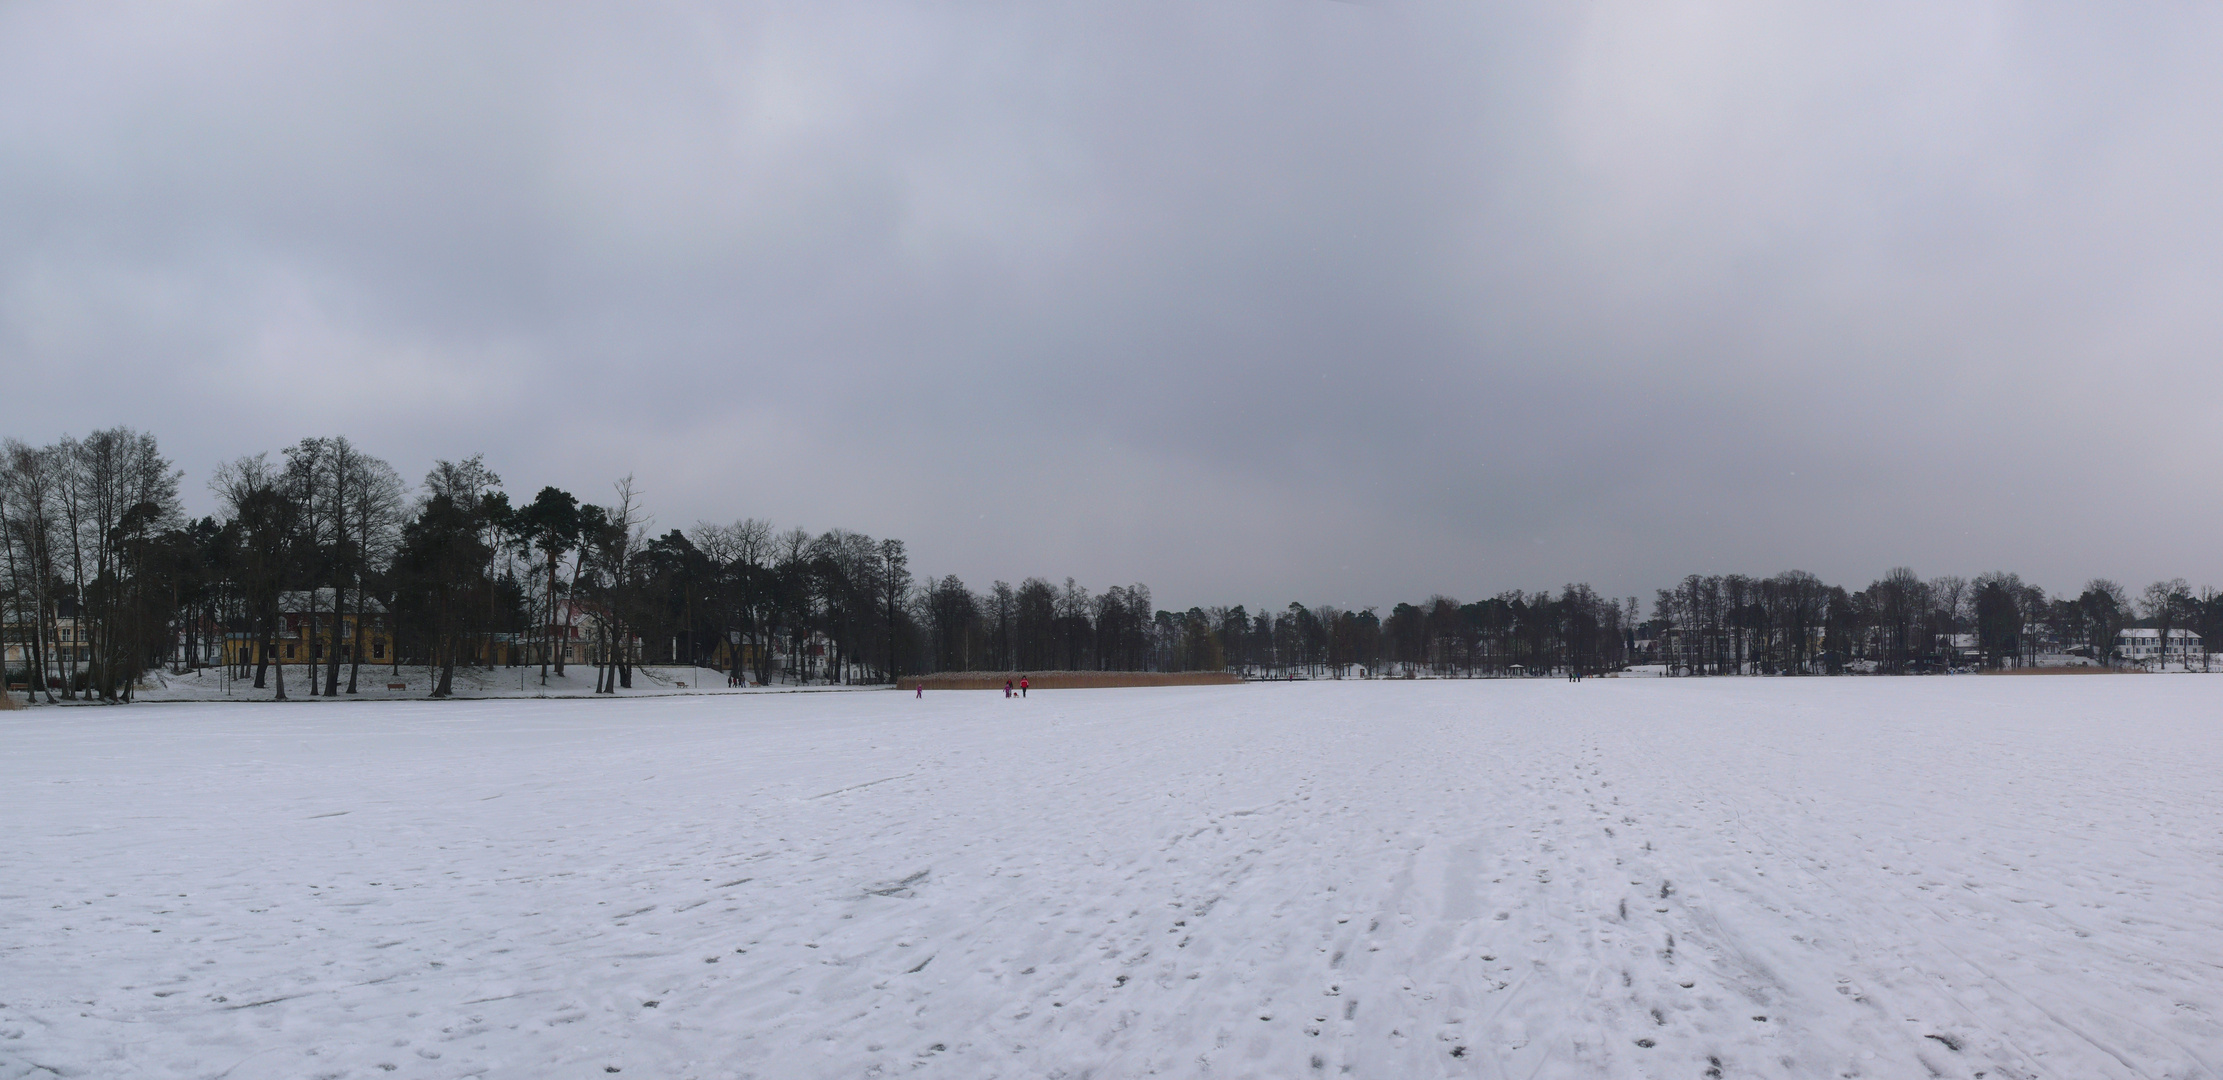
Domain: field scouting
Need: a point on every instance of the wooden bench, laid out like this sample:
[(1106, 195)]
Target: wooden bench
[(397, 686), (18, 687)]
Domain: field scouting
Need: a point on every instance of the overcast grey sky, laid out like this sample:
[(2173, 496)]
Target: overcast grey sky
[(1249, 301)]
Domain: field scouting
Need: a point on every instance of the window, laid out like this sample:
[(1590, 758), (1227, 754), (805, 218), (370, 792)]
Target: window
[(378, 650), (289, 652)]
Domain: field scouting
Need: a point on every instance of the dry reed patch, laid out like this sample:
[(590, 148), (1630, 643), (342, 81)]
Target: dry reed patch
[(1067, 680)]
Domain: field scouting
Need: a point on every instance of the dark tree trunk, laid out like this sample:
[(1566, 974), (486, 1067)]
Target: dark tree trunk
[(355, 654), (279, 677), (339, 631), (269, 645)]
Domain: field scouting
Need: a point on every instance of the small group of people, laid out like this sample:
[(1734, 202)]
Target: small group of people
[(920, 688)]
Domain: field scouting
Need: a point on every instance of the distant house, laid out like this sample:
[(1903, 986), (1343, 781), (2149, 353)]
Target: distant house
[(67, 644), (307, 630), (1960, 650), (2141, 645), (583, 632)]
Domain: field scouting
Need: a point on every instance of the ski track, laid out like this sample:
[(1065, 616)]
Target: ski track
[(1963, 877)]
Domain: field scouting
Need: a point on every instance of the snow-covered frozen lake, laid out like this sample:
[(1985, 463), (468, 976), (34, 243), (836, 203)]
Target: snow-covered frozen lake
[(1961, 877)]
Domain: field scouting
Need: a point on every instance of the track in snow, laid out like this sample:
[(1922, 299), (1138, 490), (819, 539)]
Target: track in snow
[(1856, 877)]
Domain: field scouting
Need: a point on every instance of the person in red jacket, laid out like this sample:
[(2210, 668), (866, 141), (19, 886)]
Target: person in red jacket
[(1022, 686)]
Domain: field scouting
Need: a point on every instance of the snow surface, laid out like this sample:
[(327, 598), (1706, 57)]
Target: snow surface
[(1998, 877)]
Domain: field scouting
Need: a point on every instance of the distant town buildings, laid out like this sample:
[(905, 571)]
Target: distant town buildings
[(2143, 645)]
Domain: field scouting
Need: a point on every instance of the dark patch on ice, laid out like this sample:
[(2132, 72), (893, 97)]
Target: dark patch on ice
[(335, 813), (854, 787), (922, 965), (259, 1004), (1950, 1042), (899, 888)]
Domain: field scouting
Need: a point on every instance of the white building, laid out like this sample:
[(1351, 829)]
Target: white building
[(2143, 645)]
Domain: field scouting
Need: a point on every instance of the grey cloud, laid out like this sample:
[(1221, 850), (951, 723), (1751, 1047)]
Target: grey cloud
[(1252, 302)]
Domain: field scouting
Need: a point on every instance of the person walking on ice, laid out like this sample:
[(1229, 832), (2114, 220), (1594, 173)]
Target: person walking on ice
[(922, 687), (1022, 686), (1007, 688)]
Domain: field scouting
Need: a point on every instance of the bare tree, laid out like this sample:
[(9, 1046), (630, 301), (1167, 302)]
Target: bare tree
[(1003, 619), (2165, 604), (1901, 600), (256, 500), (894, 588), (1950, 595), (371, 523), (2105, 608), (310, 484), (622, 531), (754, 581), (31, 478)]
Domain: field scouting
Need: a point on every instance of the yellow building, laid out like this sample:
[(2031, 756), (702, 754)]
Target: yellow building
[(306, 638)]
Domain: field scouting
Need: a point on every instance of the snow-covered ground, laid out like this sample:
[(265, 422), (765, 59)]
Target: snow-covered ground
[(1619, 878)]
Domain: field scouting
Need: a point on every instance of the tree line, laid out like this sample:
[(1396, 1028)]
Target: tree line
[(1902, 624), (106, 578)]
